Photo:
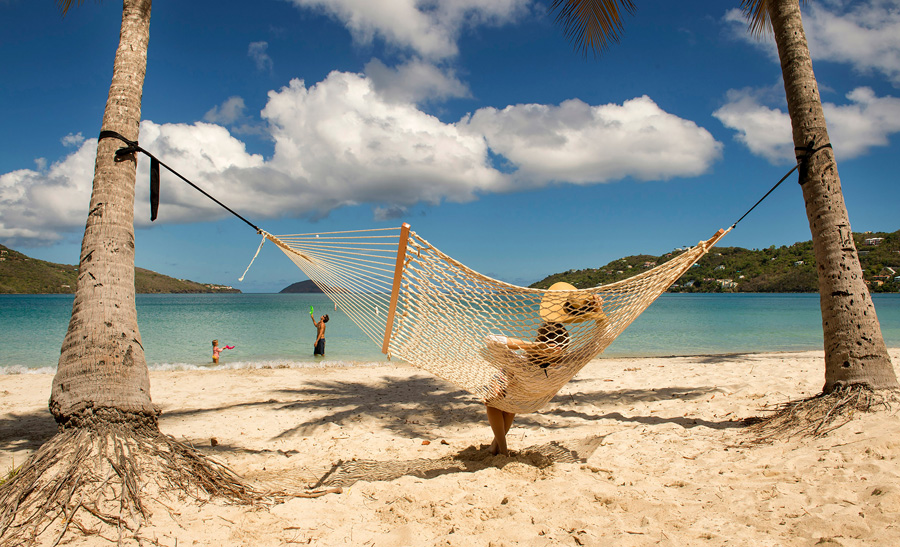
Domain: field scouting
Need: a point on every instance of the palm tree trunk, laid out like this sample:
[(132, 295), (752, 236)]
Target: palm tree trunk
[(109, 449), (855, 352), (102, 374)]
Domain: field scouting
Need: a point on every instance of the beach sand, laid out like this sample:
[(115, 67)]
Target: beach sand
[(632, 452)]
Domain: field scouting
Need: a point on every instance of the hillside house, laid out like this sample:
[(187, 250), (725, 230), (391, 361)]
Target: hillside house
[(726, 283), (873, 241)]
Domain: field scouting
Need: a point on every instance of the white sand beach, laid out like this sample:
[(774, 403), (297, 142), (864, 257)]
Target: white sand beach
[(632, 452)]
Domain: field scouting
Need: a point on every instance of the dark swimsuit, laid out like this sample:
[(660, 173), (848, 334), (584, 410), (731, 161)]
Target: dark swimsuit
[(320, 347)]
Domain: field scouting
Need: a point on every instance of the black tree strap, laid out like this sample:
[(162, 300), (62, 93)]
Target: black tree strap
[(804, 153), (132, 147), (807, 152)]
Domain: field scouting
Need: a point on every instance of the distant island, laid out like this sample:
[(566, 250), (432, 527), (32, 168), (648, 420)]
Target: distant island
[(20, 274), (735, 269), (302, 287)]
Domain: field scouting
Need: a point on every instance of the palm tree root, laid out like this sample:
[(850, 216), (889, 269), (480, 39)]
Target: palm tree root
[(819, 415), (96, 480)]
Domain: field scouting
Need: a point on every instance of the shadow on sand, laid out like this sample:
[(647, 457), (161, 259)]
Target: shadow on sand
[(469, 460)]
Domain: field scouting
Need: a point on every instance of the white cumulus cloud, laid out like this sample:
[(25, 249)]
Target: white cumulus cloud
[(358, 146), (863, 34), (72, 140), (257, 52), (431, 29), (38, 206), (347, 141), (227, 113), (414, 81), (579, 143), (854, 128)]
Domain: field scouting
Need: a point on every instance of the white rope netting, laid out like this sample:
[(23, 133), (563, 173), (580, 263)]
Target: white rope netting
[(512, 347)]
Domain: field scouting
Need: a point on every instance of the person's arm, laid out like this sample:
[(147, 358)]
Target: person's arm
[(517, 343), (541, 348), (313, 319), (496, 341)]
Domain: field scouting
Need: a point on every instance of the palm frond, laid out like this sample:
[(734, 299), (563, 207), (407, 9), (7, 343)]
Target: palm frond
[(757, 13), (592, 25), (64, 5)]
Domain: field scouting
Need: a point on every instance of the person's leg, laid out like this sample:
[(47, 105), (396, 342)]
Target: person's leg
[(500, 422), (507, 424), (508, 420)]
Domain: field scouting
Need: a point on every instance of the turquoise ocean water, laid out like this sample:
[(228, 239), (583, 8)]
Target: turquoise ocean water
[(275, 330)]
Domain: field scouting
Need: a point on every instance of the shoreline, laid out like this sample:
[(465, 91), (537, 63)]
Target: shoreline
[(274, 364), (633, 451)]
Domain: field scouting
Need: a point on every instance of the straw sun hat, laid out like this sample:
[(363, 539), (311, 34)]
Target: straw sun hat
[(569, 305)]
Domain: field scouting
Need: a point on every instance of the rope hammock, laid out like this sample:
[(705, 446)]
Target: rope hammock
[(512, 347)]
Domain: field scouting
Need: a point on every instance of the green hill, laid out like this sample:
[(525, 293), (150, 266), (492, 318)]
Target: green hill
[(735, 269), (20, 274), (302, 287)]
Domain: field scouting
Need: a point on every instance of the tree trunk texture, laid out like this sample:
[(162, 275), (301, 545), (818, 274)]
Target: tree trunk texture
[(855, 352), (102, 374)]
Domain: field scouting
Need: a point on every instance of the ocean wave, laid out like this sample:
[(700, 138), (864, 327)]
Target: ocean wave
[(237, 365), (272, 364), (19, 369)]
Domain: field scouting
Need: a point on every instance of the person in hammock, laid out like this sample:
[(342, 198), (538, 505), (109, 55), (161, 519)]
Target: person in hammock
[(548, 350)]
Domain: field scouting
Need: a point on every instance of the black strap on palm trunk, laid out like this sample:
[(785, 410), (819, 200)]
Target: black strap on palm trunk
[(132, 147), (803, 154)]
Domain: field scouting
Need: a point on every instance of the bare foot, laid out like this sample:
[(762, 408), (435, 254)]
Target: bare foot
[(495, 449)]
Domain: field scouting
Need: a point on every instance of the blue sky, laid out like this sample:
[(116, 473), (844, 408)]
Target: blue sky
[(475, 121)]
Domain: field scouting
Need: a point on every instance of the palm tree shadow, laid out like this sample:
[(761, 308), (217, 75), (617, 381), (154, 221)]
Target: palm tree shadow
[(469, 460), (606, 399), (418, 405), (26, 431), (412, 407)]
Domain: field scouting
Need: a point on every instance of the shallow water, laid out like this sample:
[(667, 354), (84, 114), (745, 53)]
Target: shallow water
[(272, 330)]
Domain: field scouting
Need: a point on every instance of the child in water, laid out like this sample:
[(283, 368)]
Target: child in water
[(217, 350)]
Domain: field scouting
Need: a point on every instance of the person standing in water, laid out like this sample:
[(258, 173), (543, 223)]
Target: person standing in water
[(319, 346), (217, 350)]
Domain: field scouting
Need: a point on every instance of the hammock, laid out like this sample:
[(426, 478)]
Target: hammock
[(512, 347)]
